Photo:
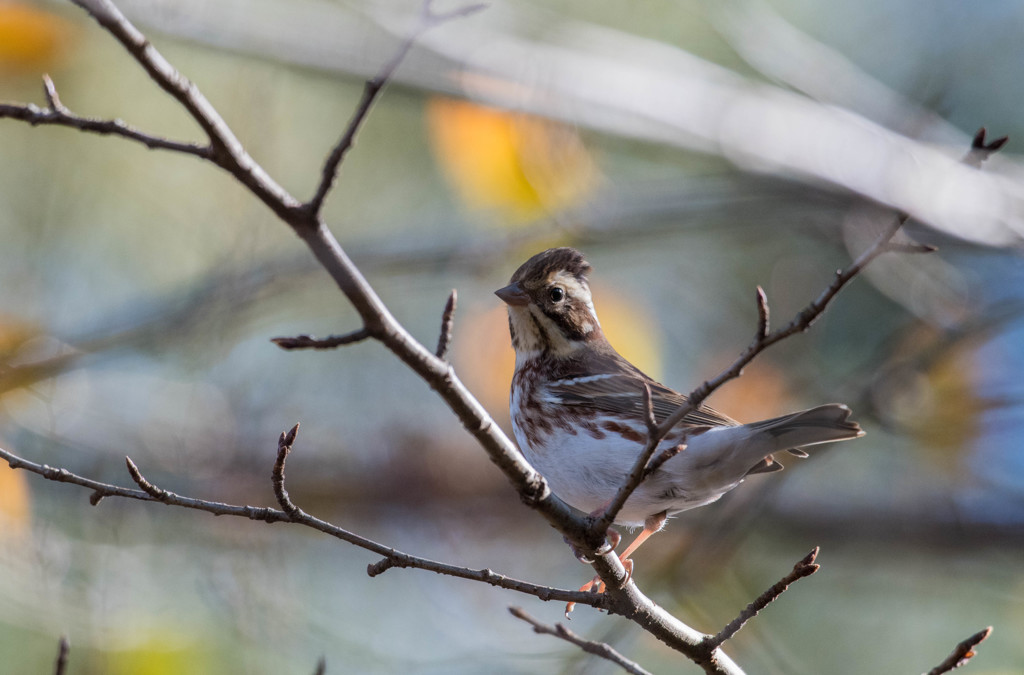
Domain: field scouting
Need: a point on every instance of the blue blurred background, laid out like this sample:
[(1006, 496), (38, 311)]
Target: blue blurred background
[(140, 290)]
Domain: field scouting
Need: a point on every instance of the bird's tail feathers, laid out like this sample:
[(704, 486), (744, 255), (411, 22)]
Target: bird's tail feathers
[(727, 454), (824, 424)]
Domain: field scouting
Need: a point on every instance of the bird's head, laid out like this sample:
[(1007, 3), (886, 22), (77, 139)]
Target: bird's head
[(549, 305)]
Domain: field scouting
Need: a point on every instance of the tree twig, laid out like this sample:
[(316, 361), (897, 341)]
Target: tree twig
[(329, 342), (605, 651), (63, 647), (152, 493), (663, 456), (447, 324), (284, 446), (803, 568), (980, 150), (962, 653), (371, 91), (55, 114), (639, 470), (225, 149), (763, 314)]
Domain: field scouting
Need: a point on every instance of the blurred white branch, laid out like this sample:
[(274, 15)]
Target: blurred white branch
[(781, 51), (631, 87)]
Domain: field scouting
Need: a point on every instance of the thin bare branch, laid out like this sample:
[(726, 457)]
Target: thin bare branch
[(800, 323), (649, 419), (100, 490), (963, 652), (633, 479), (980, 150), (63, 647), (321, 666), (910, 247), (447, 324), (804, 568), (52, 97), (58, 115), (284, 446), (640, 468), (663, 456), (763, 323), (605, 651), (329, 342), (225, 149), (153, 493), (371, 91)]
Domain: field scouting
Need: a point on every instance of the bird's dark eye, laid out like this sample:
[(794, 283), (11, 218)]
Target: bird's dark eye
[(556, 294)]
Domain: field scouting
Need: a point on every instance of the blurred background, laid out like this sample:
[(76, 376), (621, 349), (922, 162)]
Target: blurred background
[(692, 149)]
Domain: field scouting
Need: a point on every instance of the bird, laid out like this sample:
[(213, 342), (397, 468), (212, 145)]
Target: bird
[(579, 414)]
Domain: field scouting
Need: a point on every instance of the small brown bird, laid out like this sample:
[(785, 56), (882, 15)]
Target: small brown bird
[(578, 413)]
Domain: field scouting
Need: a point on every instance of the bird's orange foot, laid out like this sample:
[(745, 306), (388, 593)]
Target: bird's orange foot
[(596, 581), (651, 525)]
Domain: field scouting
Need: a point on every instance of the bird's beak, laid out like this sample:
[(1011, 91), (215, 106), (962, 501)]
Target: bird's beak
[(513, 294)]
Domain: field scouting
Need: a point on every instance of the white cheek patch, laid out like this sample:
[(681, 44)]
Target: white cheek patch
[(593, 312)]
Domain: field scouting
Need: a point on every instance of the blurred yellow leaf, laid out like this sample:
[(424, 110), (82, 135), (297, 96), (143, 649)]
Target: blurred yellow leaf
[(948, 416), (519, 166), (15, 334), (160, 655), (15, 505), (485, 359), (936, 398), (31, 39)]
